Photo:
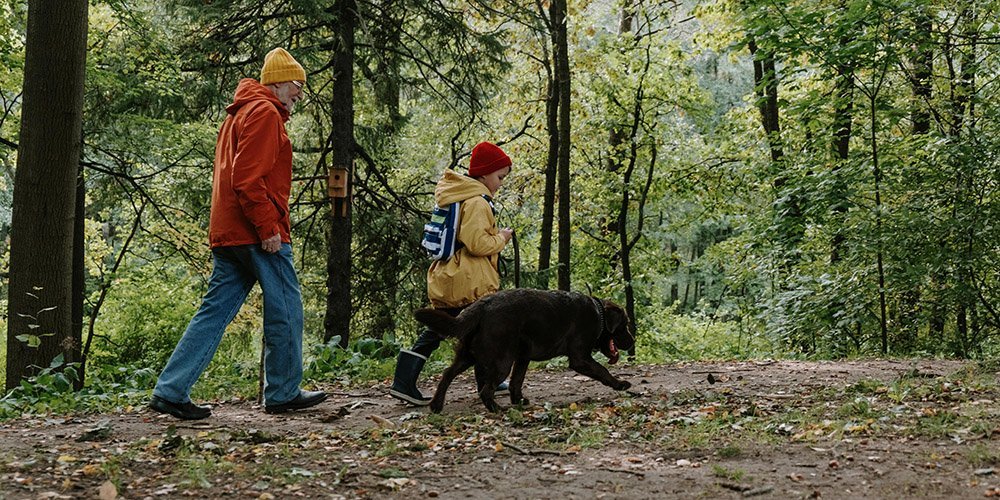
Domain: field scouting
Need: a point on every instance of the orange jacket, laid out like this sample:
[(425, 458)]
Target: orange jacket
[(253, 170)]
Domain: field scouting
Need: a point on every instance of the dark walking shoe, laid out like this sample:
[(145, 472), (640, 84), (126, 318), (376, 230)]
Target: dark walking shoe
[(305, 399), (404, 382), (183, 411)]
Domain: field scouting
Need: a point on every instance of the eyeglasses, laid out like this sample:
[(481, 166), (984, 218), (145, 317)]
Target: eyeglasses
[(298, 85)]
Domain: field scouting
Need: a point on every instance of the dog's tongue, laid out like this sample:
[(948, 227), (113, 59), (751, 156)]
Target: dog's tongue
[(614, 352)]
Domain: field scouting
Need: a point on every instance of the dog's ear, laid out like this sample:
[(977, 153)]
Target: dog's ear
[(618, 324), (614, 316)]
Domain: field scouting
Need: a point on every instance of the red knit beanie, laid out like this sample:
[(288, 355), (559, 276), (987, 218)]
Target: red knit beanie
[(486, 159)]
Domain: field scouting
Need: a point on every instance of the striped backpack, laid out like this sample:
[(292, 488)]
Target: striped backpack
[(441, 233)]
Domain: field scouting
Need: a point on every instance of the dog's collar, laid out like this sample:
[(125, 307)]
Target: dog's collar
[(600, 313)]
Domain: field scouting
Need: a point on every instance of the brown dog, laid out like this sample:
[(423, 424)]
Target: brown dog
[(513, 327)]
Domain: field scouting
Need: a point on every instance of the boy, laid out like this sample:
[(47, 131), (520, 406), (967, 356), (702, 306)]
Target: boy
[(471, 273)]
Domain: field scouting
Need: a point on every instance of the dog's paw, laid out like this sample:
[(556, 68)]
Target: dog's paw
[(436, 407), (492, 406), (623, 385), (522, 402)]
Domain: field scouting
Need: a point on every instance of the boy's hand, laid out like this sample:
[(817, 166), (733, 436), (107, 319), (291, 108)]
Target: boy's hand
[(507, 234)]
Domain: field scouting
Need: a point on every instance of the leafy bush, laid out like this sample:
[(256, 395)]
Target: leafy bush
[(143, 318), (665, 336), (51, 390), (365, 359)]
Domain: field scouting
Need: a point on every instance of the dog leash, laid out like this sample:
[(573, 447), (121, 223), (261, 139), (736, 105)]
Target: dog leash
[(600, 313)]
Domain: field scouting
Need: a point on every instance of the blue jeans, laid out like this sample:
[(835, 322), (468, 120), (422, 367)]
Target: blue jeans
[(235, 270)]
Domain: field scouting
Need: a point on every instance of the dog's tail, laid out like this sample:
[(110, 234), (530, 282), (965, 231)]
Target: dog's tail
[(445, 325)]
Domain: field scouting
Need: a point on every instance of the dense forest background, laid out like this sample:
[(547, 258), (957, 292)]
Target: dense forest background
[(751, 178)]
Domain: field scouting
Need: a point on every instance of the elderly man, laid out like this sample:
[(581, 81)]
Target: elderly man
[(249, 235)]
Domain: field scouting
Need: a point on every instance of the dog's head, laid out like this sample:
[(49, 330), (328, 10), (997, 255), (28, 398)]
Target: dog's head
[(616, 335)]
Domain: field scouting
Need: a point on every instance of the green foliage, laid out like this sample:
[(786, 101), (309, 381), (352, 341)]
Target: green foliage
[(364, 359), (144, 317), (666, 335), (51, 390)]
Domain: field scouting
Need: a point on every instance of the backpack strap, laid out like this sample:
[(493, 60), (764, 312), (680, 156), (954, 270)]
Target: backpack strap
[(489, 200)]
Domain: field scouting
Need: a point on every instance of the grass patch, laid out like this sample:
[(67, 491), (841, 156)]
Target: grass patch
[(586, 436), (861, 409), (867, 387), (199, 469), (729, 451), (721, 472), (980, 455), (939, 423)]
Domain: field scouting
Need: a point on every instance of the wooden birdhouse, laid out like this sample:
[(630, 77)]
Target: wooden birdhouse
[(337, 185)]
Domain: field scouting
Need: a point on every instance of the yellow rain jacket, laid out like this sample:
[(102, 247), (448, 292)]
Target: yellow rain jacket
[(472, 272)]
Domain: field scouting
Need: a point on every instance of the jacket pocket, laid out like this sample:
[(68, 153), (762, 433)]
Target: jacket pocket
[(277, 206)]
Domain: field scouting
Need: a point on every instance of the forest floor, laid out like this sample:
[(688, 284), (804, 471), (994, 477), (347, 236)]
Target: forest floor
[(765, 429)]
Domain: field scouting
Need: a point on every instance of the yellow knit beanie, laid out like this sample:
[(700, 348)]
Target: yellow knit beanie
[(280, 66)]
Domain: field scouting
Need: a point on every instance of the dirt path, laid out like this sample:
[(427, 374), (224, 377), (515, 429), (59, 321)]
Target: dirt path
[(872, 429)]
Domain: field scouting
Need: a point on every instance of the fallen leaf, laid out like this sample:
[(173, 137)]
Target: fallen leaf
[(299, 471), (108, 491), (91, 470), (166, 489), (382, 421), (98, 433), (335, 415), (396, 483)]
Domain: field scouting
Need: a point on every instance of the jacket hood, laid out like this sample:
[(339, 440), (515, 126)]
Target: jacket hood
[(250, 90), (457, 187)]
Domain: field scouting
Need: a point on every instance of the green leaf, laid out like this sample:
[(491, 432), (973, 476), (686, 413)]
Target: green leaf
[(32, 340)]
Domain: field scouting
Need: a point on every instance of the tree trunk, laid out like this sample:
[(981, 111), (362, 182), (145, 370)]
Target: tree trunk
[(615, 134), (788, 208), (560, 51), (675, 267), (549, 197), (386, 40), (922, 60), (79, 277), (842, 121), (40, 301), (627, 242), (960, 62), (765, 80), (338, 264), (879, 258), (966, 107)]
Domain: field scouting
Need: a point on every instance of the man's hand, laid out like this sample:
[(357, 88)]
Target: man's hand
[(272, 244), (507, 233)]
